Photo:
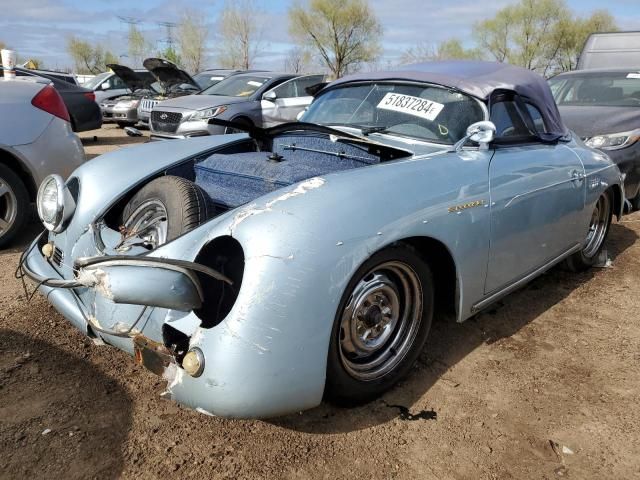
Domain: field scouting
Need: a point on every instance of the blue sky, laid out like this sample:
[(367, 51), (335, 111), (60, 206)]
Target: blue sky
[(39, 28)]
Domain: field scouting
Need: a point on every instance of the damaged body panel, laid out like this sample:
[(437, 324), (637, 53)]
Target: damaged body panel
[(322, 245)]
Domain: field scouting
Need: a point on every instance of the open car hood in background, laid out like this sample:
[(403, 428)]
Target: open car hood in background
[(132, 80), (168, 74)]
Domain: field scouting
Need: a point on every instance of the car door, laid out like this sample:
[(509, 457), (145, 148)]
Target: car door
[(537, 193), (284, 102)]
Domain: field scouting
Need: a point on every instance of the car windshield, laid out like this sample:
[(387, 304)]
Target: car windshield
[(97, 80), (237, 86), (615, 89), (206, 79), (425, 112)]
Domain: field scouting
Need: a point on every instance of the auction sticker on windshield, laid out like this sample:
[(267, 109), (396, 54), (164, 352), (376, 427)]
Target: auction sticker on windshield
[(419, 107)]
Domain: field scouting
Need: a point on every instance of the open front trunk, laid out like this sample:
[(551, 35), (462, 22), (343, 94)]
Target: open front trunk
[(248, 169)]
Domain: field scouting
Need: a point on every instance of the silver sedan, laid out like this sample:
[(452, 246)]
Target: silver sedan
[(36, 140)]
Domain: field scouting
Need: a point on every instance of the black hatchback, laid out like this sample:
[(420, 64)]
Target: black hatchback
[(84, 112)]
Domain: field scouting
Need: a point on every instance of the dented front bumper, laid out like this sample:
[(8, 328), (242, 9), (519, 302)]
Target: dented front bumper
[(65, 301), (249, 371)]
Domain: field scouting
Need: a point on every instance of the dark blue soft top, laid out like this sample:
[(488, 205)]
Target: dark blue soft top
[(476, 78)]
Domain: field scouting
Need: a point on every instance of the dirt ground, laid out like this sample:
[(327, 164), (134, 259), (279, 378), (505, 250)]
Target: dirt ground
[(544, 385)]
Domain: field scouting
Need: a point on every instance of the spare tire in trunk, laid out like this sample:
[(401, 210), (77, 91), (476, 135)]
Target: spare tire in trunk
[(166, 208)]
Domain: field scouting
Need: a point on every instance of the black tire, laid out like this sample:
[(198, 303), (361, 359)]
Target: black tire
[(587, 257), (635, 202), (125, 124), (342, 385), (14, 206), (186, 205)]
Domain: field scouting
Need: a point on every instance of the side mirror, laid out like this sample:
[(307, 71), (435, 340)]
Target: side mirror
[(270, 96), (105, 86), (301, 114), (482, 133)]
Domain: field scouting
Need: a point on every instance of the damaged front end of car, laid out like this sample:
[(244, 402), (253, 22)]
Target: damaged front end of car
[(211, 310)]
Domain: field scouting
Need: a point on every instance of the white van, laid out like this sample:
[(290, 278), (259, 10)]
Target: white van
[(611, 50)]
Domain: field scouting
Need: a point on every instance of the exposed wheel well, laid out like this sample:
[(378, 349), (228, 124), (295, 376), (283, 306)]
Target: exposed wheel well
[(242, 118), (617, 200), (443, 267), (18, 167)]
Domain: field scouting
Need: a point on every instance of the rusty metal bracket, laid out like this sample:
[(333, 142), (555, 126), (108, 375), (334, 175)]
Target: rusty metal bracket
[(152, 355)]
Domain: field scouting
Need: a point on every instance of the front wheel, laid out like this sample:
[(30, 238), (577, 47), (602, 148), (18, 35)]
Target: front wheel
[(381, 325), (635, 202), (596, 235)]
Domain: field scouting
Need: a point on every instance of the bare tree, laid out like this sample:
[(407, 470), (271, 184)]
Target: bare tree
[(345, 33), (241, 31), (298, 60), (192, 40), (451, 49)]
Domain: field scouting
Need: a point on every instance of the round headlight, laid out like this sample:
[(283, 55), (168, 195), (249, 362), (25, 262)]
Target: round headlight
[(50, 201)]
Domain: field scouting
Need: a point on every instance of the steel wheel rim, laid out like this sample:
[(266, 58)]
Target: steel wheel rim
[(8, 207), (149, 222), (380, 321), (597, 227)]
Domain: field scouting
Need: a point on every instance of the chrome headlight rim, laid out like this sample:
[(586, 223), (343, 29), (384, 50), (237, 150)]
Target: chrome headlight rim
[(65, 204), (603, 142), (208, 113)]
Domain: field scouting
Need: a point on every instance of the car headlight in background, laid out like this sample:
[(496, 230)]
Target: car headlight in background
[(614, 141), (208, 113), (55, 203), (127, 104)]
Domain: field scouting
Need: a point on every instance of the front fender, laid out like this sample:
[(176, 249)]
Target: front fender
[(302, 244)]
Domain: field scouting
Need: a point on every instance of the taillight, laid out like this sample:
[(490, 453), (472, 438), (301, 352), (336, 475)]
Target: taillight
[(90, 95), (49, 100)]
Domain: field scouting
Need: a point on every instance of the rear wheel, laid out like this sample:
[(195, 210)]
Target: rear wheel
[(166, 208), (381, 326), (14, 205), (596, 235)]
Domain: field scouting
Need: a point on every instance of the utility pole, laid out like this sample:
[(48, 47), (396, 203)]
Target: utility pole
[(168, 40)]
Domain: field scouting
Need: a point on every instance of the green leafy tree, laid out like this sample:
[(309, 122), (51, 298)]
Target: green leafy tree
[(344, 33), (192, 41), (89, 58), (542, 35), (572, 35), (172, 55), (138, 46), (240, 34)]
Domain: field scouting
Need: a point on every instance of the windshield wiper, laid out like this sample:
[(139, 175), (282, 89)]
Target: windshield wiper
[(374, 129)]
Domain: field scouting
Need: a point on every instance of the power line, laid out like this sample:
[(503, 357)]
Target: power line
[(129, 20), (169, 38)]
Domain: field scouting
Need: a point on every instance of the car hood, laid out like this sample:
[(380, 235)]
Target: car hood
[(199, 102), (131, 79), (589, 121), (167, 73)]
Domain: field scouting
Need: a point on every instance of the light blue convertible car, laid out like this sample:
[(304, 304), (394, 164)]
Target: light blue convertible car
[(261, 273)]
